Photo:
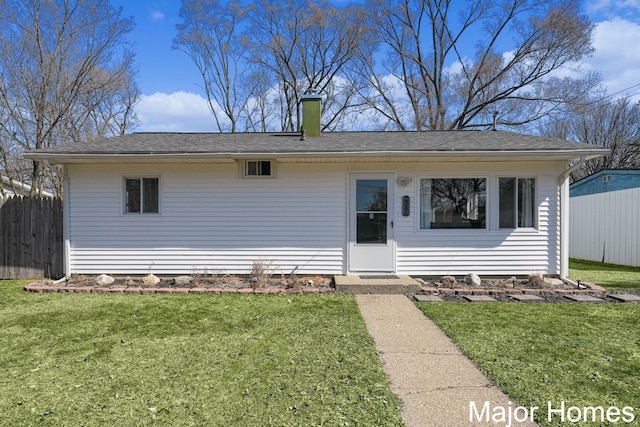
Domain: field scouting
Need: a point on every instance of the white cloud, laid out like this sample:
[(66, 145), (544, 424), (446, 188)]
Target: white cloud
[(612, 7), (454, 68), (156, 15), (175, 112), (616, 56)]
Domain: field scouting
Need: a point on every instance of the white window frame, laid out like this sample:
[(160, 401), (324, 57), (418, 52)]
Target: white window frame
[(244, 172), (140, 178), (536, 219)]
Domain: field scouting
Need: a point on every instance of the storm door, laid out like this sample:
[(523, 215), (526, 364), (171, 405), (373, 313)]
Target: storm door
[(371, 240)]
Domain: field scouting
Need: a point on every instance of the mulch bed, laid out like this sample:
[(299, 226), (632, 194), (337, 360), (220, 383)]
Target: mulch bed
[(548, 295), (226, 284), (229, 284)]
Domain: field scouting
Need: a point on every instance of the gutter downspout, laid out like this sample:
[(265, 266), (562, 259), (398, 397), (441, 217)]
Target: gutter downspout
[(564, 217), (65, 227)]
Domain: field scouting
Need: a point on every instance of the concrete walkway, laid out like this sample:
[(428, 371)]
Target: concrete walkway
[(435, 381)]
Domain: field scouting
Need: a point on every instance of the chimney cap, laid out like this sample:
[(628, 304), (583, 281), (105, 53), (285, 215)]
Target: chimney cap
[(311, 96)]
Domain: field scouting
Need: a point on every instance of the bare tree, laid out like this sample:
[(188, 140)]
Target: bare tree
[(309, 45), (65, 75), (262, 107), (211, 35), (613, 125), (445, 88)]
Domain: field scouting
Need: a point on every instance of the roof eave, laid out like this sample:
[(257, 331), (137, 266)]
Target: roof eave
[(160, 157)]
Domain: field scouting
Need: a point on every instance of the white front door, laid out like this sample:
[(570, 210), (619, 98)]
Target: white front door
[(371, 237)]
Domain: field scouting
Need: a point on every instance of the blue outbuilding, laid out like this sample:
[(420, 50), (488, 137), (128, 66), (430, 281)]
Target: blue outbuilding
[(606, 180)]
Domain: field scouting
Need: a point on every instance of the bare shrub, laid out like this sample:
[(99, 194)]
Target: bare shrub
[(536, 281), (297, 284), (261, 272), (230, 280), (203, 277), (199, 277)]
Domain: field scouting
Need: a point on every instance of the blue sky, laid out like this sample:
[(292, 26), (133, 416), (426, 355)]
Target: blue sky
[(161, 69), (171, 85)]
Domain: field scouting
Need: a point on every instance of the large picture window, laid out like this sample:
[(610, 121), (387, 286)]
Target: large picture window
[(142, 195), (517, 203), (453, 203)]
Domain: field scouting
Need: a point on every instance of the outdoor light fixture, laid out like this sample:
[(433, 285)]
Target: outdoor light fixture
[(403, 181)]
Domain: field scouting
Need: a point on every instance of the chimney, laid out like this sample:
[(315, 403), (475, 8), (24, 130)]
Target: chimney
[(311, 112)]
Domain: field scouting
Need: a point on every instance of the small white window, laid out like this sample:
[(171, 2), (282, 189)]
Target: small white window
[(517, 202), (142, 195), (258, 168)]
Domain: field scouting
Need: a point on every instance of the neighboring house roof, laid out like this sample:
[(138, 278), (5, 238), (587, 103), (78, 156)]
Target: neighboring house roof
[(606, 180), (331, 145), (10, 185)]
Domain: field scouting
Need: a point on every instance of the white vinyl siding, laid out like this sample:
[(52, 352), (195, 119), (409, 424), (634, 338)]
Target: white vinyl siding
[(211, 220), (604, 227), (214, 221)]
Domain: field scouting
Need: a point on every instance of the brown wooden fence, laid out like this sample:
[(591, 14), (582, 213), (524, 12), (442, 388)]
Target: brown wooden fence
[(31, 239)]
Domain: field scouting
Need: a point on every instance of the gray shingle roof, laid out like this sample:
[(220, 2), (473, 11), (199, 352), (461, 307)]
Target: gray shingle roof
[(335, 143)]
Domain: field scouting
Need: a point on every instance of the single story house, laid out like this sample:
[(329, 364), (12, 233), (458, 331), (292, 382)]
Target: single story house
[(417, 203), (604, 217)]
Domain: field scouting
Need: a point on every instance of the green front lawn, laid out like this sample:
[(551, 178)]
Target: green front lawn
[(609, 276), (223, 360), (583, 355)]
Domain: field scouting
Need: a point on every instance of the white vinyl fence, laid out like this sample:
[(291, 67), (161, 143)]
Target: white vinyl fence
[(604, 227)]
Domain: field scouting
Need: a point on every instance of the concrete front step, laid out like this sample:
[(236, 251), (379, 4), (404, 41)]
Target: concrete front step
[(377, 284)]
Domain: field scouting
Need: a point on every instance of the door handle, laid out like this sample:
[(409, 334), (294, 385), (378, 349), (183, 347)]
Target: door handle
[(391, 224)]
